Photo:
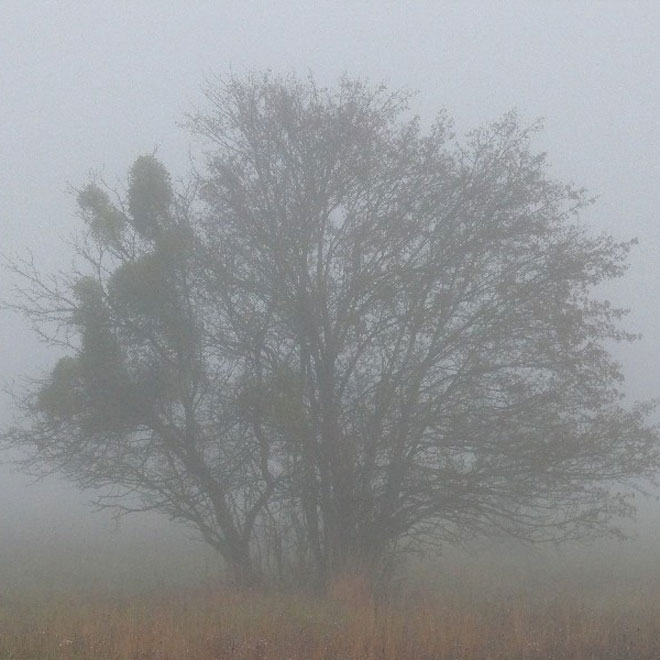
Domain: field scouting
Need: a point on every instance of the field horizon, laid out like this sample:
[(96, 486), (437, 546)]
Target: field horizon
[(518, 605)]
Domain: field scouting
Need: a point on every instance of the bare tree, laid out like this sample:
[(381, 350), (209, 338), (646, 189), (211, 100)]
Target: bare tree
[(144, 407), (424, 315), (349, 337)]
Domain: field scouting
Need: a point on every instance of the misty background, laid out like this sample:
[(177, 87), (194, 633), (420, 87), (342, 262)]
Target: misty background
[(90, 86)]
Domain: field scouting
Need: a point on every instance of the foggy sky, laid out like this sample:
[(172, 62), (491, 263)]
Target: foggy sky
[(91, 85)]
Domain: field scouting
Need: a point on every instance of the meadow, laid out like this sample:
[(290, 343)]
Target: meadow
[(507, 605)]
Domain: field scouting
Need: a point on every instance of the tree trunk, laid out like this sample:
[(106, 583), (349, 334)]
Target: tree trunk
[(243, 572)]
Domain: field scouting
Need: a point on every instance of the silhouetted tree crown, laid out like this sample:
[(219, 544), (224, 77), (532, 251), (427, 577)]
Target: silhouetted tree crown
[(346, 338)]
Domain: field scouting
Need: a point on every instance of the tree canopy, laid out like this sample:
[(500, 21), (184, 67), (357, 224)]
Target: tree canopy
[(348, 336)]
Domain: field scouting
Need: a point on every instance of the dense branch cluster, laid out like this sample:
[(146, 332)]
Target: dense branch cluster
[(348, 336)]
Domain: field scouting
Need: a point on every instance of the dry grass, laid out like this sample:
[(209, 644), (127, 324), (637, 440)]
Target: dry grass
[(422, 624)]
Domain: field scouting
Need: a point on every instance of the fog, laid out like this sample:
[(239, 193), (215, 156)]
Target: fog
[(90, 86)]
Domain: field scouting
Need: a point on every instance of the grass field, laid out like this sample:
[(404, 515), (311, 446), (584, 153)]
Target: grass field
[(465, 617), (100, 595)]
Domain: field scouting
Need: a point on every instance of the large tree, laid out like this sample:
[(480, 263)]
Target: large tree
[(348, 336)]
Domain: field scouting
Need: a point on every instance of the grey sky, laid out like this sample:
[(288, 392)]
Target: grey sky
[(92, 84)]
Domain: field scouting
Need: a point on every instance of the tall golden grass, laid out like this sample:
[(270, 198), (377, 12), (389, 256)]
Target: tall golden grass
[(349, 624)]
